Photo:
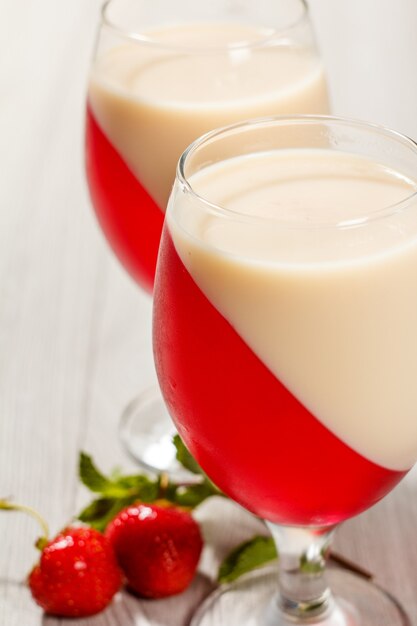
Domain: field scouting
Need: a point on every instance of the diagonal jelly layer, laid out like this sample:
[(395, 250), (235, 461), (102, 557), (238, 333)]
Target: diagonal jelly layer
[(130, 218), (251, 435)]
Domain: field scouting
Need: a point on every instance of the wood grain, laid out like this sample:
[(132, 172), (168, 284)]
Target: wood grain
[(75, 334)]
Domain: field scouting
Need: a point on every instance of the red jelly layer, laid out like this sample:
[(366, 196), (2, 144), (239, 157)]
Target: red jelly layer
[(129, 217), (256, 441)]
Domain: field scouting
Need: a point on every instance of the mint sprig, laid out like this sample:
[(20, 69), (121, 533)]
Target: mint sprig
[(117, 485), (118, 491)]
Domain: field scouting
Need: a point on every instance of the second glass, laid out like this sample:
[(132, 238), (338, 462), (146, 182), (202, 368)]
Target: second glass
[(285, 340), (163, 74)]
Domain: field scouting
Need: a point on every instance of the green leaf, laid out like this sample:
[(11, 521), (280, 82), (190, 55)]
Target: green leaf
[(184, 457), (246, 557), (191, 495), (133, 484), (139, 486), (90, 476), (101, 511), (146, 489), (117, 491), (128, 482)]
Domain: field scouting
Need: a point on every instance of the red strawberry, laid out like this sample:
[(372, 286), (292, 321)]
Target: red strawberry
[(77, 574), (158, 548)]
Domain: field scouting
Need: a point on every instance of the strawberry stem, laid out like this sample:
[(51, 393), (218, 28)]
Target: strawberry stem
[(5, 505), (163, 484)]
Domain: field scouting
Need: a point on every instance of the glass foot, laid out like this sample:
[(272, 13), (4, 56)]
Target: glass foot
[(250, 601), (146, 431)]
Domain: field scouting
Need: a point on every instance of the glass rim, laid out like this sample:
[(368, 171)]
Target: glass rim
[(286, 120), (141, 38)]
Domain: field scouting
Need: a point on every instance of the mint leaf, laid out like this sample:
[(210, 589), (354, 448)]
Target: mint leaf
[(100, 512), (138, 486), (184, 456), (191, 495), (118, 491), (90, 476), (145, 489), (246, 557)]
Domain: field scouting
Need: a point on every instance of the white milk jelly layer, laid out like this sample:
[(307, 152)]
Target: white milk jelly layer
[(332, 312), (152, 101)]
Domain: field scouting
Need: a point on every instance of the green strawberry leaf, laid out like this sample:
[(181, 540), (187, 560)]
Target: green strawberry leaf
[(246, 557), (184, 456)]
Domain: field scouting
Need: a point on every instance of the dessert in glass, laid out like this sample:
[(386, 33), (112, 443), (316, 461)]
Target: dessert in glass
[(163, 74), (285, 341)]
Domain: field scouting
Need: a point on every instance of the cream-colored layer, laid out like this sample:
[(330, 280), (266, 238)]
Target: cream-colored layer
[(152, 102), (332, 313)]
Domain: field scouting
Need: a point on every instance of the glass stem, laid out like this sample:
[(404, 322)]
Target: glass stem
[(303, 589)]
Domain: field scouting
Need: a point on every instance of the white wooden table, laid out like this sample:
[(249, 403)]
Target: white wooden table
[(75, 333)]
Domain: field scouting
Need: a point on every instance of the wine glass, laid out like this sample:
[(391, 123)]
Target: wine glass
[(285, 342), (163, 73)]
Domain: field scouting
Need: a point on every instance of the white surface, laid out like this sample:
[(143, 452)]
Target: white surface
[(75, 331), (370, 50)]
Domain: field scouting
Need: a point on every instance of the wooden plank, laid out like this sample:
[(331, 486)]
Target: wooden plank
[(381, 540), (51, 268)]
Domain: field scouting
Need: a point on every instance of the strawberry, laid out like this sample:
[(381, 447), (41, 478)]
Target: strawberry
[(157, 547), (77, 574)]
